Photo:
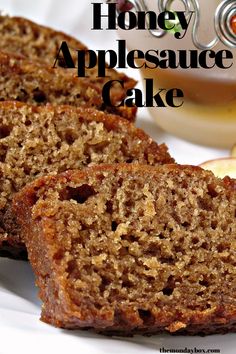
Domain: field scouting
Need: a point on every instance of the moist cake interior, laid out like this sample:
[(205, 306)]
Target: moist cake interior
[(157, 245)]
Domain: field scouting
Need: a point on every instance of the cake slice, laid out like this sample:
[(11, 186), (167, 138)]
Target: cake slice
[(28, 81), (36, 141), (127, 249), (41, 44)]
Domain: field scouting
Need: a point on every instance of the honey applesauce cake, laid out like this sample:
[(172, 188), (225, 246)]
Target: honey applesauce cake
[(133, 249), (36, 141)]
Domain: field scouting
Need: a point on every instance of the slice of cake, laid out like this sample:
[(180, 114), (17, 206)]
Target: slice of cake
[(41, 44), (36, 141), (133, 249), (32, 82)]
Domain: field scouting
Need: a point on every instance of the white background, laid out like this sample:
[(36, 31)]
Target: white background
[(20, 328)]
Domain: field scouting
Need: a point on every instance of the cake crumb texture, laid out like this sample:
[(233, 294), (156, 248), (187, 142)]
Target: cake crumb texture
[(127, 249), (37, 141)]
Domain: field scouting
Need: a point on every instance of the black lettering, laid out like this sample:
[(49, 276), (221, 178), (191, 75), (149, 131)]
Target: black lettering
[(183, 22), (222, 55), (163, 17), (203, 59), (97, 16), (131, 58), (144, 22), (66, 59), (102, 61), (188, 61), (170, 62), (150, 95), (137, 100), (152, 59), (173, 94), (106, 93), (121, 53), (87, 59), (127, 23)]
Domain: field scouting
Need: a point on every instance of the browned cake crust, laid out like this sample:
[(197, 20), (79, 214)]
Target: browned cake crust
[(133, 249), (36, 141), (32, 82), (40, 43)]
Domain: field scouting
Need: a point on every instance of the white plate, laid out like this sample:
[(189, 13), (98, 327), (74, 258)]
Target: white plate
[(20, 328)]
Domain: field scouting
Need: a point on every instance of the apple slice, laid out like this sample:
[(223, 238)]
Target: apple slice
[(221, 167), (233, 151)]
